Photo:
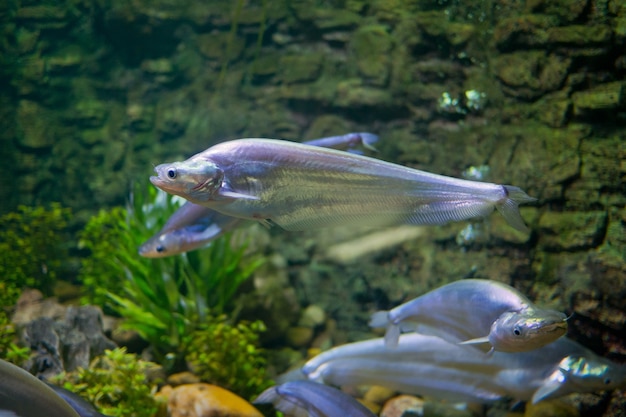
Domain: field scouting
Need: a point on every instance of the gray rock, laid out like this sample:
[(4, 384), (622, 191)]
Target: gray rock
[(65, 344)]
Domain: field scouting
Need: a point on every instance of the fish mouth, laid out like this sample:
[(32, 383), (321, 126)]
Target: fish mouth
[(159, 183), (163, 185), (556, 327)]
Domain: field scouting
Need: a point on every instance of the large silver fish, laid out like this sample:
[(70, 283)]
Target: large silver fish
[(193, 226), (475, 311), (23, 395), (310, 399), (302, 187)]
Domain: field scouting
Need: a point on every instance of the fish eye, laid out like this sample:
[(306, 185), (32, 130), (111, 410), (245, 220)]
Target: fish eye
[(607, 381), (171, 173), (160, 249), (517, 331)]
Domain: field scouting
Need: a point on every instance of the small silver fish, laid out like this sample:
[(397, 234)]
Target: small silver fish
[(311, 399), (576, 373), (23, 395), (483, 311), (193, 226), (515, 331), (300, 187), (190, 227)]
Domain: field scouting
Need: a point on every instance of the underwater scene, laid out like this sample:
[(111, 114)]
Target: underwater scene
[(318, 208)]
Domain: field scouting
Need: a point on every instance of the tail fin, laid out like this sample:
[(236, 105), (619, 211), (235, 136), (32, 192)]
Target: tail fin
[(379, 319), (509, 207)]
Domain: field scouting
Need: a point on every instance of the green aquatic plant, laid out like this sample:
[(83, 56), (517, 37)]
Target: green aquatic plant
[(229, 356), (32, 248), (162, 299), (9, 349), (115, 383)]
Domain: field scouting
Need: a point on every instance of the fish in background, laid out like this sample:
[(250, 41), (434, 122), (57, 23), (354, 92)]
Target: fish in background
[(581, 373), (311, 399), (23, 395), (193, 226), (475, 312), (300, 187), (429, 365), (190, 227)]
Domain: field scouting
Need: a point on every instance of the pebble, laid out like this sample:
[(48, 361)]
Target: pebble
[(556, 408), (378, 394), (396, 406), (312, 316), (205, 400), (299, 336)]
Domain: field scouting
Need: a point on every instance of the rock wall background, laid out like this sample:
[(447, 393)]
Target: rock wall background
[(94, 93)]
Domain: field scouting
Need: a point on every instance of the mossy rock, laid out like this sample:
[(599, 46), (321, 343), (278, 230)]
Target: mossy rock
[(370, 46), (45, 16), (567, 231), (140, 116), (34, 122), (601, 97), (564, 10), (220, 46), (300, 68), (554, 112), (530, 74), (265, 65), (328, 19), (537, 158), (327, 125), (580, 35), (88, 113), (523, 31), (352, 93)]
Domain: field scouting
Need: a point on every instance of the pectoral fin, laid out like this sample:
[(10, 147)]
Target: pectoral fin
[(477, 341), (546, 391), (392, 336), (227, 192)]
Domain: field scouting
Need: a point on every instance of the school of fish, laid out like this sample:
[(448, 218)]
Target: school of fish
[(471, 340)]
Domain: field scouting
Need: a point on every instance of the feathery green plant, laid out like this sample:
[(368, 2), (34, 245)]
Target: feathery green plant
[(115, 383), (162, 299), (229, 356)]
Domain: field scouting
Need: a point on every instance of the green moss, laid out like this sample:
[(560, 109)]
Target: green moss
[(32, 249), (370, 46), (115, 383), (301, 68), (229, 356)]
